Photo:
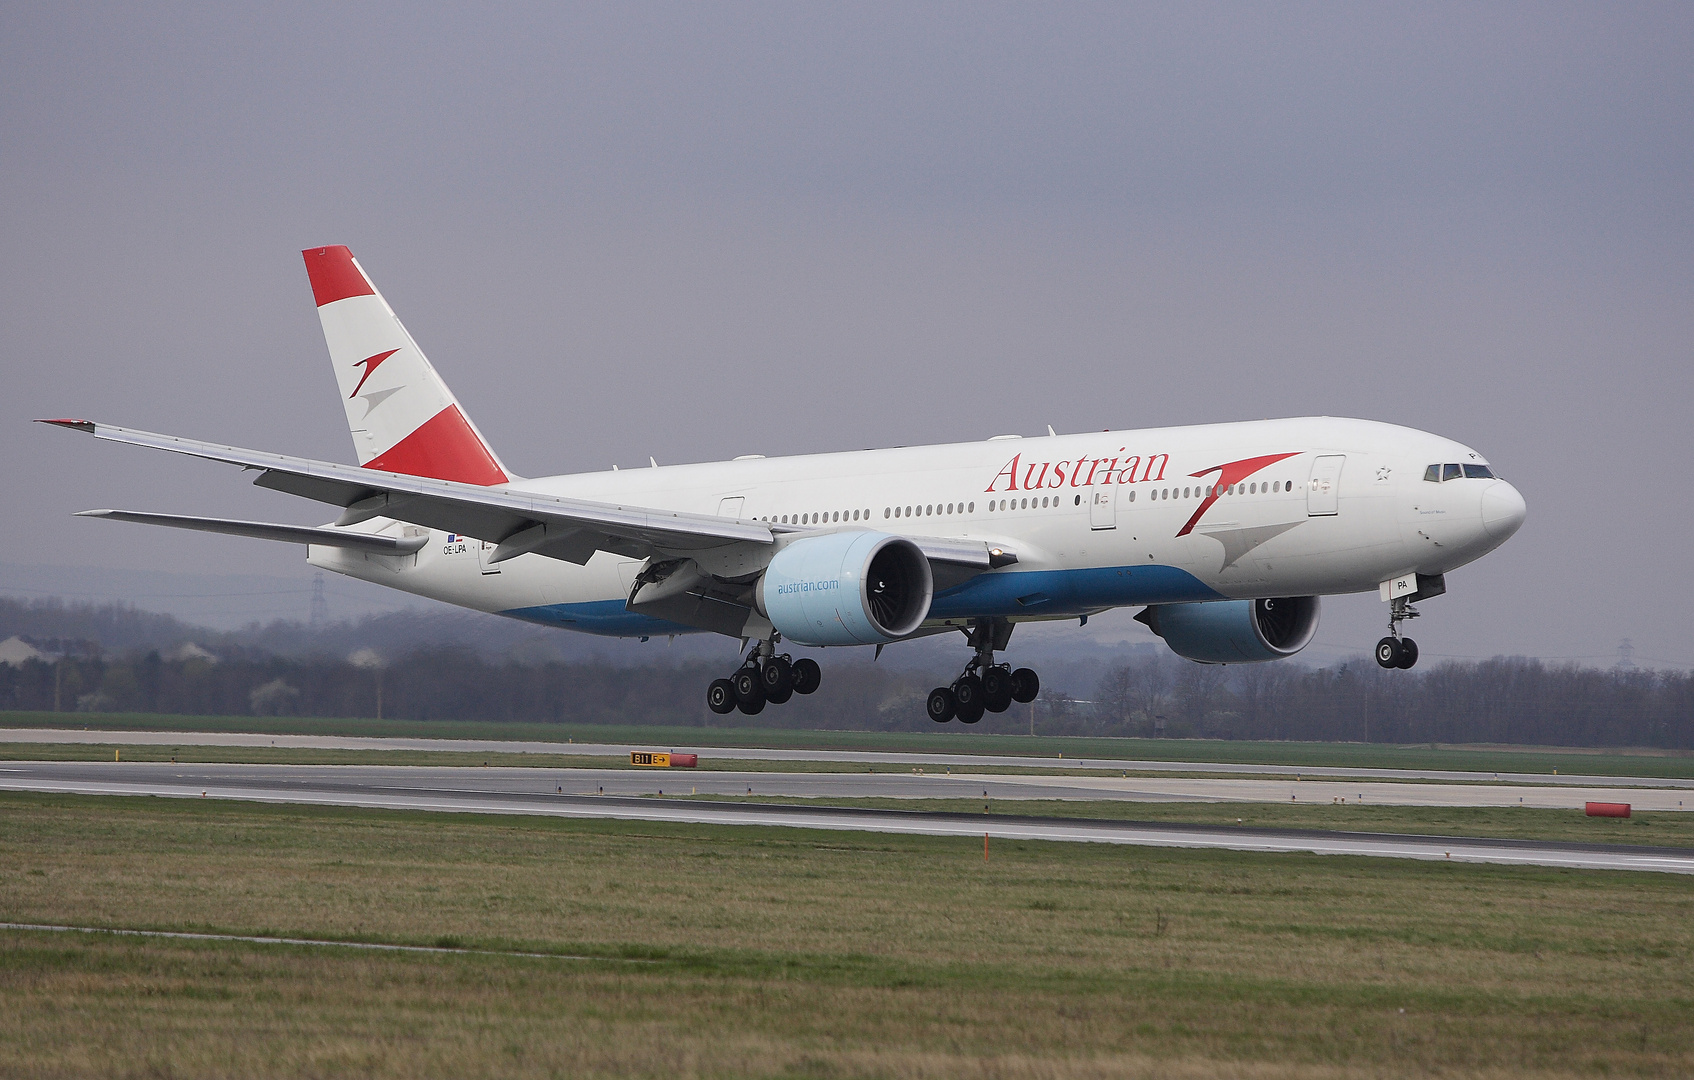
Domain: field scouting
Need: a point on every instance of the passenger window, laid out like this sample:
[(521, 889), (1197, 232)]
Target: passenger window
[(1450, 472), (1478, 472)]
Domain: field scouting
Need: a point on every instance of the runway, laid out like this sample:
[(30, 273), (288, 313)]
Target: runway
[(928, 761), (545, 792)]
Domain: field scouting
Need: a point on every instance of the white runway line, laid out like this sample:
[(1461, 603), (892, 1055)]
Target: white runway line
[(1452, 849)]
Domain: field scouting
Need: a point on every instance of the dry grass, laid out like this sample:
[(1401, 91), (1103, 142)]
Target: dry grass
[(785, 953)]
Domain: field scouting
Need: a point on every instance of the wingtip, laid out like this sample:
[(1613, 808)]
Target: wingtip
[(80, 425), (94, 513)]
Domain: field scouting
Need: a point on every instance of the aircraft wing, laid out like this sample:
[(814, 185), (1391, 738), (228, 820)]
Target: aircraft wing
[(263, 530), (518, 521)]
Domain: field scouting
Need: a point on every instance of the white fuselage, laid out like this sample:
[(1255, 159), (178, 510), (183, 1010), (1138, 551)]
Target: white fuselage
[(1269, 508)]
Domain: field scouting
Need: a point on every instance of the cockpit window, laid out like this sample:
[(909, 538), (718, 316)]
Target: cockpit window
[(1450, 472), (1479, 472), (1433, 474)]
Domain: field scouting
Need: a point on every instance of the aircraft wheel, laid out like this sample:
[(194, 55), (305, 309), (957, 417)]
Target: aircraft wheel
[(940, 705), (807, 675), (752, 707), (1408, 652), (971, 714), (1389, 652), (720, 696), (778, 677), (996, 689), (967, 695), (1026, 684), (748, 685)]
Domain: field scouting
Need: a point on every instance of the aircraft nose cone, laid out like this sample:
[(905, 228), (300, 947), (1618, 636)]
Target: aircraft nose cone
[(1503, 510)]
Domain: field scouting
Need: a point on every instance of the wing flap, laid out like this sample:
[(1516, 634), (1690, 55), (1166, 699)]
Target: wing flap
[(264, 530)]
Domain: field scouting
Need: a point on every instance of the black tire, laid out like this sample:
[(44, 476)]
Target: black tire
[(720, 696), (778, 677), (967, 694), (1408, 653), (753, 707), (748, 685), (940, 705), (807, 675), (1026, 684), (969, 715), (1388, 652), (996, 689)]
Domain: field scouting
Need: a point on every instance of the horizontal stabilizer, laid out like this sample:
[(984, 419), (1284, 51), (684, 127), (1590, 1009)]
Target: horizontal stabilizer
[(261, 530)]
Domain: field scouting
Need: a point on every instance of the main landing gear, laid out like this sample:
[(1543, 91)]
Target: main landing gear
[(1395, 651), (984, 686), (763, 677)]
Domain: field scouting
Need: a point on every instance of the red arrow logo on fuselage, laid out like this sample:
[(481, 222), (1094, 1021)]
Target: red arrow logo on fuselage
[(1229, 475), (371, 363)]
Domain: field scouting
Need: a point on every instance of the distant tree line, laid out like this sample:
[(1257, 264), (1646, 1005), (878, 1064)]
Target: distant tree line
[(1505, 700)]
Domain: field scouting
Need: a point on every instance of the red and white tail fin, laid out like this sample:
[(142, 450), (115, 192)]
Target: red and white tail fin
[(403, 417)]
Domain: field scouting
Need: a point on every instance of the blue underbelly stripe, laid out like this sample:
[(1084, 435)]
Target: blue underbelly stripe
[(1023, 592), (1058, 592)]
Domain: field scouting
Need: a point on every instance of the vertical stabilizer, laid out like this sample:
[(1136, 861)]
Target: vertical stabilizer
[(402, 416)]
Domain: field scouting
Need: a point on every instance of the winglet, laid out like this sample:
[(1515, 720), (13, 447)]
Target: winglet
[(80, 425)]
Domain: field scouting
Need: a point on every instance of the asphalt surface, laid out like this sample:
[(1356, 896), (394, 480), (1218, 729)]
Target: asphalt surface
[(926, 761), (545, 792)]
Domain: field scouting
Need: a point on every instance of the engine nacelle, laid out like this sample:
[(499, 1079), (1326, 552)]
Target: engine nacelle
[(846, 588), (1235, 631)]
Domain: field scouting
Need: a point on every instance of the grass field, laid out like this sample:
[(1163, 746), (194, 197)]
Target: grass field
[(954, 740), (785, 953)]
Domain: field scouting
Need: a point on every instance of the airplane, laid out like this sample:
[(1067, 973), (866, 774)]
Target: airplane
[(1225, 535)]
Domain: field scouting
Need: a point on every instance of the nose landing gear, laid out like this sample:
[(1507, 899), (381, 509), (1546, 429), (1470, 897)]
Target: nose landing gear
[(764, 677), (1395, 651), (983, 686)]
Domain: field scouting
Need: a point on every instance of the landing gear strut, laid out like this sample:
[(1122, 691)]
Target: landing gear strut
[(764, 677), (1395, 651), (983, 686)]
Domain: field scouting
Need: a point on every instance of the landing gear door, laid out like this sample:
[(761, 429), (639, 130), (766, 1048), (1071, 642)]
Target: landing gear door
[(1325, 485), (1103, 508)]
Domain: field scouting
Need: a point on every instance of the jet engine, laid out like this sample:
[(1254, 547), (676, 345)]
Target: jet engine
[(1235, 631), (846, 588)]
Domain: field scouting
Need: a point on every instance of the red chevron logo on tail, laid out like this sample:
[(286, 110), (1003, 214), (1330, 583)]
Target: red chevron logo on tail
[(371, 364)]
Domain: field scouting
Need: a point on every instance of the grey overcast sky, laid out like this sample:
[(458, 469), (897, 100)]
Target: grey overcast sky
[(696, 231)]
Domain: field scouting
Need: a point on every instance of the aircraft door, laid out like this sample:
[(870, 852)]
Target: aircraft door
[(1103, 508), (483, 550), (1325, 485), (730, 507)]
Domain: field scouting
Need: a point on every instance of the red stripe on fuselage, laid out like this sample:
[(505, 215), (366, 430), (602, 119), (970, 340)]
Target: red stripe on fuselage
[(443, 448), (1232, 473), (334, 277)]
